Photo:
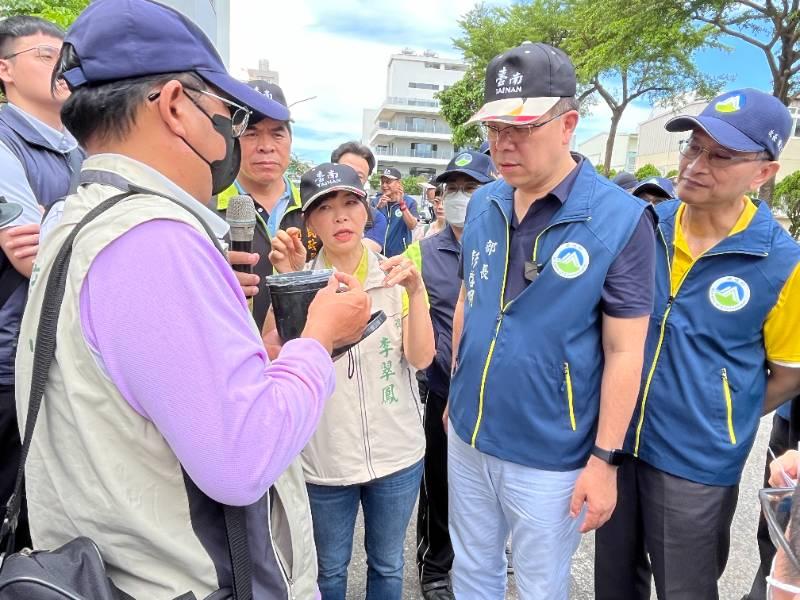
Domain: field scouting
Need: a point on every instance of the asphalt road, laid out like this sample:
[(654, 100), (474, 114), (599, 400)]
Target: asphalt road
[(734, 584)]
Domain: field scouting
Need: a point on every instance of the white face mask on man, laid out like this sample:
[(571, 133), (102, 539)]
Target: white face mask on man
[(455, 207)]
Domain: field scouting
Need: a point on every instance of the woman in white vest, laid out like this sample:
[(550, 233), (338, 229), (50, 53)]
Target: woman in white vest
[(369, 445)]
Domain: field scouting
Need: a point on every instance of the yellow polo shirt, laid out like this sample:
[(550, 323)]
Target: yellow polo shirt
[(782, 326)]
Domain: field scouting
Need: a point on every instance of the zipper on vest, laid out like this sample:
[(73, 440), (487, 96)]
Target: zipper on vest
[(670, 302), (500, 315), (284, 574), (570, 405), (726, 390)]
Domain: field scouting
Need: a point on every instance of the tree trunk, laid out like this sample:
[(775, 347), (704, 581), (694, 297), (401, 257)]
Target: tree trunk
[(616, 115)]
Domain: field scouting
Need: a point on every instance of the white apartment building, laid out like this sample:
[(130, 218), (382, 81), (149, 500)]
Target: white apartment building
[(213, 17), (407, 131), (659, 147), (623, 157)]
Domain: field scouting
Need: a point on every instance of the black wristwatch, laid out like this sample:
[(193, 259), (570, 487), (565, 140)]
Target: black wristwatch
[(613, 457)]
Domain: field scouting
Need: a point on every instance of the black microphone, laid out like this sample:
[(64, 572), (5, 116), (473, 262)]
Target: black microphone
[(241, 217)]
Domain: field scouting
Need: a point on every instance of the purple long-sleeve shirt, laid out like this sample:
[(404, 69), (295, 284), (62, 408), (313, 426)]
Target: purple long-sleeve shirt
[(168, 323)]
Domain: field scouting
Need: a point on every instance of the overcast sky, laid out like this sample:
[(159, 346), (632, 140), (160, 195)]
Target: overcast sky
[(339, 51)]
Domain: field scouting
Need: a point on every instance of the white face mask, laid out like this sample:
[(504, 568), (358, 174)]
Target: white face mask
[(455, 207)]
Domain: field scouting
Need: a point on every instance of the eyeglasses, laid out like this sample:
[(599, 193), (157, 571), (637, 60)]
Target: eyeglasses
[(516, 133), (48, 54), (719, 158), (240, 116), (467, 188)]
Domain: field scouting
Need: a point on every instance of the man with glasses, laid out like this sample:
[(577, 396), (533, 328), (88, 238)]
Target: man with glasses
[(266, 151), (38, 157), (722, 350), (162, 404), (557, 270)]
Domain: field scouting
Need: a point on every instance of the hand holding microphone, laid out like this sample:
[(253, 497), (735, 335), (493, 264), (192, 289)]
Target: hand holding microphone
[(241, 217)]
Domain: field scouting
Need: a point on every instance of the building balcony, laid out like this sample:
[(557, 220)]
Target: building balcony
[(394, 105), (408, 157), (385, 132)]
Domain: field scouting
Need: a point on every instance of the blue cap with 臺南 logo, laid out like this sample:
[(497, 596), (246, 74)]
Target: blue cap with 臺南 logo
[(125, 39), (744, 120)]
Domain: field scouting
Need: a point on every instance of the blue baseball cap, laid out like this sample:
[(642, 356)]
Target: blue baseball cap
[(744, 120), (126, 39), (484, 149), (661, 186), (472, 163)]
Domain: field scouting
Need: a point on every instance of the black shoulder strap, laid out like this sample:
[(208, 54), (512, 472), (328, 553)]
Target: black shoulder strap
[(44, 353)]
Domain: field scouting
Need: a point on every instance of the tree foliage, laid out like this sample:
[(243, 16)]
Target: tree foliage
[(60, 12), (297, 166), (672, 173), (773, 27), (647, 171), (623, 51), (787, 195)]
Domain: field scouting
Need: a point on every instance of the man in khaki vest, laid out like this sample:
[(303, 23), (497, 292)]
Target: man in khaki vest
[(162, 404)]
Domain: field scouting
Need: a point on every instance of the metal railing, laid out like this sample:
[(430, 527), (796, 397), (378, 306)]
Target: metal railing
[(440, 129), (412, 102), (408, 153)]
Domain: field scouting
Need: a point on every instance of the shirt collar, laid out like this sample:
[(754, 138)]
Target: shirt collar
[(61, 141), (562, 190), (143, 176)]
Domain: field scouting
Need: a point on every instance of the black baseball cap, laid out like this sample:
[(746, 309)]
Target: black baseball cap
[(126, 39), (391, 173), (625, 180), (472, 163), (525, 82), (326, 178), (272, 91)]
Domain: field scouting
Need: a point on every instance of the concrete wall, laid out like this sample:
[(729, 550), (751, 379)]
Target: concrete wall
[(624, 147), (407, 69)]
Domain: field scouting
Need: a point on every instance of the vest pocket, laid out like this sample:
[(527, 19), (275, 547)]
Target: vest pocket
[(726, 391), (568, 388)]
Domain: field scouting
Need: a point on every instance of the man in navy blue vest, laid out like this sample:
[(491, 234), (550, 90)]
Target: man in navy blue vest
[(37, 159), (437, 258), (557, 270), (722, 350)]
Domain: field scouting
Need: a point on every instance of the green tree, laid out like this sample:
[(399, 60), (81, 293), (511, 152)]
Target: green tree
[(672, 173), (769, 26), (629, 51), (647, 171), (61, 12), (787, 197), (602, 170), (297, 166), (411, 184), (375, 181)]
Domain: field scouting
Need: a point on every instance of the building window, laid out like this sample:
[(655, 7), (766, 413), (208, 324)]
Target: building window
[(795, 112), (455, 67), (433, 65), (423, 86), (416, 124), (423, 150)]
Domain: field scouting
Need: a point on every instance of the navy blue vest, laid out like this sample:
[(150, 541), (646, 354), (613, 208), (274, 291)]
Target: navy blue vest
[(705, 369), (439, 261), (49, 173)]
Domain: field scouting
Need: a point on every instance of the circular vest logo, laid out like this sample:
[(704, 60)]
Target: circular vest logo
[(463, 160), (398, 213), (729, 294), (570, 260)]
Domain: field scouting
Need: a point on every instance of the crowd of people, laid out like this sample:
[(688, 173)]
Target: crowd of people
[(560, 353)]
